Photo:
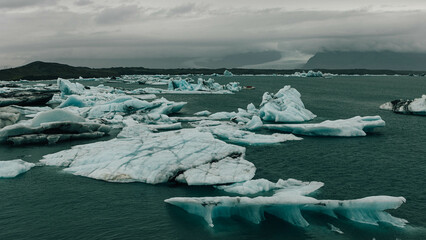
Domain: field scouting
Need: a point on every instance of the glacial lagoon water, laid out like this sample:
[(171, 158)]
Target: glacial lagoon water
[(46, 203)]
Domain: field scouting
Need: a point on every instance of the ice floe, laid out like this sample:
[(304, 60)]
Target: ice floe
[(416, 106), (284, 106), (26, 96), (290, 206), (232, 134), (12, 168), (50, 127), (352, 127), (155, 158), (264, 185)]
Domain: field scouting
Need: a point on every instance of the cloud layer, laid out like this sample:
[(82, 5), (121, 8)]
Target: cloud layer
[(180, 33)]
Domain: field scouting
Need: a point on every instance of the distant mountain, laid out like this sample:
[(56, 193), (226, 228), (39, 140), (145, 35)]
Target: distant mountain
[(42, 70), (45, 71), (368, 60)]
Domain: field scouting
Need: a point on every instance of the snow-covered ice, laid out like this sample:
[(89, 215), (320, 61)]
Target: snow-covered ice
[(352, 127), (12, 168)]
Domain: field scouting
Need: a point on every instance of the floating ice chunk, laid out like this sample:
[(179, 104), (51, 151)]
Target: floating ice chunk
[(335, 229), (202, 113), (167, 107), (50, 127), (153, 118), (310, 73), (416, 106), (145, 96), (172, 126), (26, 96), (12, 168), (232, 134), (227, 73), (289, 206), (264, 185), (233, 86), (8, 118), (254, 124), (203, 86), (69, 88), (151, 158), (55, 115), (228, 170), (352, 127), (73, 100), (284, 106), (222, 115), (123, 105)]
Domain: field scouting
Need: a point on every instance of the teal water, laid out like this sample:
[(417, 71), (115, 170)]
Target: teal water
[(46, 203)]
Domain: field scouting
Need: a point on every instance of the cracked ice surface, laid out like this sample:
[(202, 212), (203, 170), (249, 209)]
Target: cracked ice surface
[(152, 158), (352, 127), (12, 168)]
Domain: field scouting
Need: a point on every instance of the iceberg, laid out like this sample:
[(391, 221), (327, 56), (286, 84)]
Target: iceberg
[(254, 124), (68, 88), (50, 127), (26, 96), (263, 185), (232, 134), (284, 106), (203, 113), (228, 170), (202, 86), (416, 106), (12, 168), (290, 206), (8, 118), (352, 127), (227, 73), (155, 158)]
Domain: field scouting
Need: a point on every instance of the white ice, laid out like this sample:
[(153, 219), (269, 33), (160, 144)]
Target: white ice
[(12, 168), (264, 185), (202, 113), (52, 126), (284, 106), (231, 133), (148, 157), (290, 206), (352, 127), (416, 106)]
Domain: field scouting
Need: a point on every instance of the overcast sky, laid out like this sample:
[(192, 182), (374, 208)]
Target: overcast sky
[(201, 33)]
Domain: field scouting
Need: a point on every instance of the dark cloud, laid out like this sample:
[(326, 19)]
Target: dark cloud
[(241, 59), (200, 34)]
